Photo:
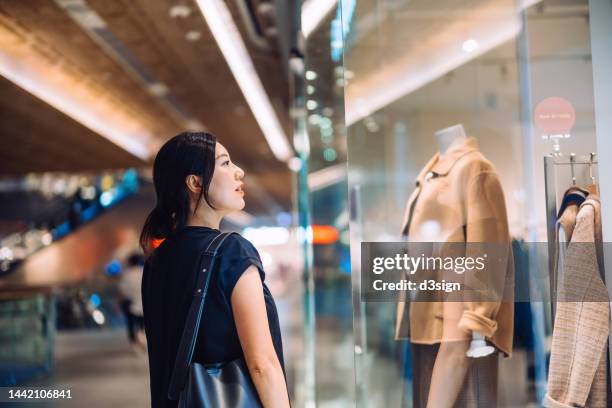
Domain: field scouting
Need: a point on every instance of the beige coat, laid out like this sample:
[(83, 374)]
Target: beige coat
[(458, 198), (578, 368)]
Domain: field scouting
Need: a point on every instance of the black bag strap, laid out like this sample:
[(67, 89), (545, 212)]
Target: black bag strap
[(186, 347)]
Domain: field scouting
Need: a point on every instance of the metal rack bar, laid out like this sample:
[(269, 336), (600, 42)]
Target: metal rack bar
[(551, 219)]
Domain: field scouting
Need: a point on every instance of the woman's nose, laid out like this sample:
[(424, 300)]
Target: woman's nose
[(239, 173)]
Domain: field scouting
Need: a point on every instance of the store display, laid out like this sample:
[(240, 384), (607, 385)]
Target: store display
[(529, 81), (458, 199)]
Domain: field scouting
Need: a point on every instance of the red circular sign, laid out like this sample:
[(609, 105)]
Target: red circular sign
[(554, 116)]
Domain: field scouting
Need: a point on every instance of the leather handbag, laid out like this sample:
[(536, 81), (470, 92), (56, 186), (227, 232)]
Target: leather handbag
[(221, 385)]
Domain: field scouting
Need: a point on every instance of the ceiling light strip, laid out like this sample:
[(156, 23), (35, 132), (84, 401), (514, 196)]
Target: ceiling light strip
[(326, 177), (223, 28), (36, 84), (313, 12)]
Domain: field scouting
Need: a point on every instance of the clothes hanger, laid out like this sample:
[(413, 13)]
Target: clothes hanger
[(592, 188), (572, 160), (576, 195)]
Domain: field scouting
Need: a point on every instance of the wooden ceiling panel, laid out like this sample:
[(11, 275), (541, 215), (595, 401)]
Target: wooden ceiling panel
[(34, 137), (52, 34), (196, 73), (37, 137)]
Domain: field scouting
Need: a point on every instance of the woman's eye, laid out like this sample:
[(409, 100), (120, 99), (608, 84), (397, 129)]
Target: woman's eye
[(225, 163)]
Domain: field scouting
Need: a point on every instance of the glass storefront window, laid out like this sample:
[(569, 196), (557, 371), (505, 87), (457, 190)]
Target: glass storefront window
[(451, 111), (327, 188)]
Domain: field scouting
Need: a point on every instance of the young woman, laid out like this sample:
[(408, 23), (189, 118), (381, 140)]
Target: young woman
[(196, 185)]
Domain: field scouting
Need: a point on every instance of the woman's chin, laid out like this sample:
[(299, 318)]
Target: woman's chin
[(240, 205), (228, 206)]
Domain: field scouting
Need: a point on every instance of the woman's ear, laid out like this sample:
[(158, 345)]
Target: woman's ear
[(194, 183)]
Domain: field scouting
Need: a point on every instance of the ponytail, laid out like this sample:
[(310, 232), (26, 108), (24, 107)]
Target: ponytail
[(185, 154), (157, 226)]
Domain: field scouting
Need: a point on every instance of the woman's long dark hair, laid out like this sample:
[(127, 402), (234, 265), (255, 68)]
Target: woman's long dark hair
[(186, 153)]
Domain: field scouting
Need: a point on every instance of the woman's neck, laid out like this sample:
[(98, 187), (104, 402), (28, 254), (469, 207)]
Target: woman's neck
[(210, 219)]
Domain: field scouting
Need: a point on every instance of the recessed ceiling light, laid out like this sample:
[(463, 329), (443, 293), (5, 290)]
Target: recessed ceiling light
[(294, 164), (193, 35), (371, 124), (314, 119), (311, 105), (311, 75), (158, 89), (470, 45), (325, 122), (179, 11), (330, 154), (310, 89), (195, 125)]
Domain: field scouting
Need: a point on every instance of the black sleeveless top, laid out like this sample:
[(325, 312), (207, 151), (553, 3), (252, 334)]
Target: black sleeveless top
[(167, 288)]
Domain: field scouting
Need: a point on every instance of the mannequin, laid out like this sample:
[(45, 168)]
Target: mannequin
[(450, 368), (448, 138), (447, 337)]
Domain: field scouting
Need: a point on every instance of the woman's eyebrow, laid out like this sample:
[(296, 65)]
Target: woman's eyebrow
[(221, 155)]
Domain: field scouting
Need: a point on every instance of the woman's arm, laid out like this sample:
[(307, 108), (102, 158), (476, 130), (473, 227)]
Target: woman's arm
[(249, 309)]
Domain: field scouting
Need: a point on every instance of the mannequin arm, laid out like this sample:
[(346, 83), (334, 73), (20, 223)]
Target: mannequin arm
[(451, 366), (449, 374)]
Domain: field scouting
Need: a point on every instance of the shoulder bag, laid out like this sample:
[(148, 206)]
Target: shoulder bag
[(221, 385)]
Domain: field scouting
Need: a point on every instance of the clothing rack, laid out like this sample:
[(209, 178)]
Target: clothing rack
[(556, 182)]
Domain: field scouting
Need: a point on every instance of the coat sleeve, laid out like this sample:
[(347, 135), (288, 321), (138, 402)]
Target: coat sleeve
[(486, 232)]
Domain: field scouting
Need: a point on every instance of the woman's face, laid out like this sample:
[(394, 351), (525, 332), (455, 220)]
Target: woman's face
[(226, 191)]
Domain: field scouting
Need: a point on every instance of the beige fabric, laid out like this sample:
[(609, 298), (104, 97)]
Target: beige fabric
[(461, 196), (578, 369), (567, 220)]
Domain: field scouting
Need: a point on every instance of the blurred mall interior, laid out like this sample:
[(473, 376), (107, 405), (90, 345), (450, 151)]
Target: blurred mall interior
[(330, 107)]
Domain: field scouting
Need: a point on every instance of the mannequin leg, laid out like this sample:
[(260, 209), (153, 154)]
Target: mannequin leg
[(423, 360), (479, 389)]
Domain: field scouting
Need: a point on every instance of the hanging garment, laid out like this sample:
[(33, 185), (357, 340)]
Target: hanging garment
[(566, 220), (577, 374), (458, 199)]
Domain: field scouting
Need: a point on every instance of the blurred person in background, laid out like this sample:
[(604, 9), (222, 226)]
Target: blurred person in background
[(130, 300), (196, 185)]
